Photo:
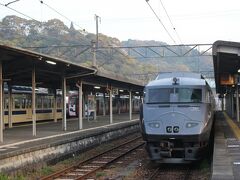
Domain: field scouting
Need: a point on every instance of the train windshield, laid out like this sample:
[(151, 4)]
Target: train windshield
[(174, 95)]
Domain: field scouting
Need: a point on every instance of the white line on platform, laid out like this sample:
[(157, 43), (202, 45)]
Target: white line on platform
[(63, 134), (233, 146)]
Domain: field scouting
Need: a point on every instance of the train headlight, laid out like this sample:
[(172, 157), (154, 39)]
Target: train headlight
[(191, 124), (154, 125)]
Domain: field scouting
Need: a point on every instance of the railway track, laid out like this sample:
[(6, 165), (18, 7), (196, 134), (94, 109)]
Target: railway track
[(171, 172), (90, 166)]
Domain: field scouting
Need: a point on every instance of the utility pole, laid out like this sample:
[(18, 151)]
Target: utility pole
[(97, 19), (95, 43), (94, 63)]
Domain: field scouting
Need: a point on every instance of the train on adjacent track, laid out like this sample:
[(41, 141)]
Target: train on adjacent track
[(49, 107), (177, 117)]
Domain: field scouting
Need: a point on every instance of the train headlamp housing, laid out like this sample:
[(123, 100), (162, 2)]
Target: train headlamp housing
[(154, 125), (191, 124)]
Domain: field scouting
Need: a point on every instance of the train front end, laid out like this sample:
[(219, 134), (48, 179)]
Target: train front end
[(176, 119)]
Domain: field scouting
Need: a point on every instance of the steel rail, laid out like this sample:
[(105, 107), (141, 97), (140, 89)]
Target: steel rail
[(71, 168)]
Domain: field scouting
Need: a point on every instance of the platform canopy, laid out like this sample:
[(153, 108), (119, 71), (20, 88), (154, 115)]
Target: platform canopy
[(18, 64), (226, 60)]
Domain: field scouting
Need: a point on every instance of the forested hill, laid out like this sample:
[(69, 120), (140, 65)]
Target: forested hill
[(56, 39)]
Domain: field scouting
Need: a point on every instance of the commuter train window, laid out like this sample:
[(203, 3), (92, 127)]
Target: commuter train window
[(59, 102), (6, 102), (17, 102), (24, 102), (189, 95), (39, 102), (160, 95)]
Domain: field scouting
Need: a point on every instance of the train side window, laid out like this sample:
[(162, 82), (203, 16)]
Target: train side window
[(59, 102), (17, 102), (6, 101), (46, 102), (29, 103), (23, 103), (39, 102)]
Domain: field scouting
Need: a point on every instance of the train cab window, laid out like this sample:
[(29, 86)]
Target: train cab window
[(159, 95), (190, 95)]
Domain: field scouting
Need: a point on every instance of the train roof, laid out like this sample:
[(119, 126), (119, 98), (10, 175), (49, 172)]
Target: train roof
[(179, 74), (178, 78)]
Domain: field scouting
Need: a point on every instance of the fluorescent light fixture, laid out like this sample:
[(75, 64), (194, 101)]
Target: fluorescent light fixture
[(97, 87), (238, 70), (51, 62), (137, 92), (120, 90)]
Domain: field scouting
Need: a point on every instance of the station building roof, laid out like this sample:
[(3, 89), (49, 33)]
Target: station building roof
[(18, 64), (226, 61)]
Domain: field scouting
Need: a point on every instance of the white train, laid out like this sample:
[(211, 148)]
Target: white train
[(177, 116)]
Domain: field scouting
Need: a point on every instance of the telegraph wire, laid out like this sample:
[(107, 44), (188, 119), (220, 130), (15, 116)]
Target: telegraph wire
[(61, 14), (160, 21), (171, 22)]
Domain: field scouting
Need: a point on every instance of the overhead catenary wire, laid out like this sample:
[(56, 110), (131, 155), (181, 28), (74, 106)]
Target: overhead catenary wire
[(174, 28), (50, 7), (160, 22), (6, 5), (11, 2)]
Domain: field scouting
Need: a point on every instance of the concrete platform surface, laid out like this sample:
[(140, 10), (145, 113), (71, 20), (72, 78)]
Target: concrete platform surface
[(226, 157)]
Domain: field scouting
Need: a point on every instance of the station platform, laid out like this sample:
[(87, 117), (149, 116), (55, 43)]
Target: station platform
[(226, 156), (20, 148)]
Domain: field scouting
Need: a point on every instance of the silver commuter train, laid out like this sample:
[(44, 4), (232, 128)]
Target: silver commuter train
[(176, 117)]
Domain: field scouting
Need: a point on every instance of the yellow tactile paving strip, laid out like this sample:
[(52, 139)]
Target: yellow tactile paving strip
[(234, 127)]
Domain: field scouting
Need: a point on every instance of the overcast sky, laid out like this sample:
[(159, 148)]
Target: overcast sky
[(195, 21)]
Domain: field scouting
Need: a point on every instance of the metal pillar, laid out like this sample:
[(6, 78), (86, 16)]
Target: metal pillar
[(1, 103), (9, 105), (80, 106), (232, 104), (34, 129), (55, 106), (64, 115), (3, 106), (110, 108), (130, 105), (104, 104), (237, 103), (95, 108)]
